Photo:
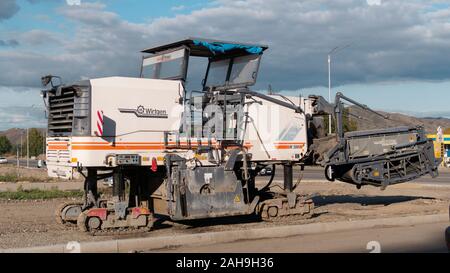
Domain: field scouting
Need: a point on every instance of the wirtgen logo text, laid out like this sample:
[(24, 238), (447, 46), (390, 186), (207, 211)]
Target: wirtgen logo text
[(143, 112)]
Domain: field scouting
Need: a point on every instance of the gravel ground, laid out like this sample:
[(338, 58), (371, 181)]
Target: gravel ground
[(27, 173), (31, 223), (39, 174)]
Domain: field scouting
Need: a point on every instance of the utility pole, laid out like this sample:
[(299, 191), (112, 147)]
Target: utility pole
[(18, 164), (28, 143), (44, 136), (28, 148)]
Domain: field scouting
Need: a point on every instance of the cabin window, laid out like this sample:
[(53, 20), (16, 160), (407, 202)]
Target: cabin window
[(167, 66)]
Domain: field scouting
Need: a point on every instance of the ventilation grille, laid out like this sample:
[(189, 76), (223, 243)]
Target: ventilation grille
[(60, 117)]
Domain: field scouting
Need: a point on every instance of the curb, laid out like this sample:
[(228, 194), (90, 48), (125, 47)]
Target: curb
[(145, 244), (434, 185)]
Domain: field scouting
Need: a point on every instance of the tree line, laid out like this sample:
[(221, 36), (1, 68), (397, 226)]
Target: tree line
[(37, 142), (348, 123)]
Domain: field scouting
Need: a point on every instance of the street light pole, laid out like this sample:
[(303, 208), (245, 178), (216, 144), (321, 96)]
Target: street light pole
[(334, 50), (329, 91)]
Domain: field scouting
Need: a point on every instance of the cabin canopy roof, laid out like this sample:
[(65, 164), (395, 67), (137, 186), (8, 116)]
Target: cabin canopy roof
[(200, 47)]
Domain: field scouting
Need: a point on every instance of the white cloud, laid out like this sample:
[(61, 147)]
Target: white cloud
[(38, 37), (374, 2), (178, 8), (73, 2), (396, 40), (21, 107)]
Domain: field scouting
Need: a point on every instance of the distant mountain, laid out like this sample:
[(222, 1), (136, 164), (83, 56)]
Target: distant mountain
[(14, 134), (366, 120)]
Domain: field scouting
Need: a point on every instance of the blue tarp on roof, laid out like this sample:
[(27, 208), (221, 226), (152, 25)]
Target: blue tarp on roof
[(222, 47)]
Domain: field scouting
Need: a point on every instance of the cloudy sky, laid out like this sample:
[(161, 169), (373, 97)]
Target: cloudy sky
[(398, 58)]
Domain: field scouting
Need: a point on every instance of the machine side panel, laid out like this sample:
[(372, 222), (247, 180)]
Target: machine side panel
[(128, 116), (131, 106), (275, 132), (58, 154)]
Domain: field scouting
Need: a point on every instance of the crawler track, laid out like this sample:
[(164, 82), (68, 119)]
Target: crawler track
[(59, 212), (278, 209), (82, 223)]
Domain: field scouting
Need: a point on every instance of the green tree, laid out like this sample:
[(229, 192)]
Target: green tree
[(5, 145), (36, 142), (348, 123)]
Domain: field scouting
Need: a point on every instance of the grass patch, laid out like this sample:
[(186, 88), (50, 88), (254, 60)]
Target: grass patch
[(9, 177), (36, 194), (13, 177)]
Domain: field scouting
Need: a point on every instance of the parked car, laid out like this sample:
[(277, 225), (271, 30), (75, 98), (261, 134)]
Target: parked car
[(3, 160), (447, 233), (266, 171), (41, 163)]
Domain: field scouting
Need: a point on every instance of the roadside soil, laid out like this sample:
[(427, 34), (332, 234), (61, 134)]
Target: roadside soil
[(32, 223), (37, 174)]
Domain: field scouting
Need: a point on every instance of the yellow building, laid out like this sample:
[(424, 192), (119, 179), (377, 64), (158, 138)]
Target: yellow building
[(441, 149)]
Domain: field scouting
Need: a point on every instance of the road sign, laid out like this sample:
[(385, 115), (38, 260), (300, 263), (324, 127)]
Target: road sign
[(440, 135)]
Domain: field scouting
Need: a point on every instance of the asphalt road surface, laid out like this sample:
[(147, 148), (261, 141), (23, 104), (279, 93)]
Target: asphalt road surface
[(427, 238), (23, 162), (317, 173), (310, 173)]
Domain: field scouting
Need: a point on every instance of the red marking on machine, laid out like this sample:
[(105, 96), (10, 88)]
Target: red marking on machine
[(98, 212), (100, 123), (138, 211), (154, 165)]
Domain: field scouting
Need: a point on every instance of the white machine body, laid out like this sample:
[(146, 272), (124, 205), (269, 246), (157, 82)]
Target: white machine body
[(129, 116)]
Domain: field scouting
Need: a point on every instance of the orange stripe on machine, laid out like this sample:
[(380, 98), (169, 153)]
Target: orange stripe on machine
[(58, 147), (125, 147), (58, 143), (133, 145), (289, 145), (121, 147), (138, 143)]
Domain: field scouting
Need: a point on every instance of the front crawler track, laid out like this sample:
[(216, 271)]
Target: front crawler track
[(103, 221), (278, 208)]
